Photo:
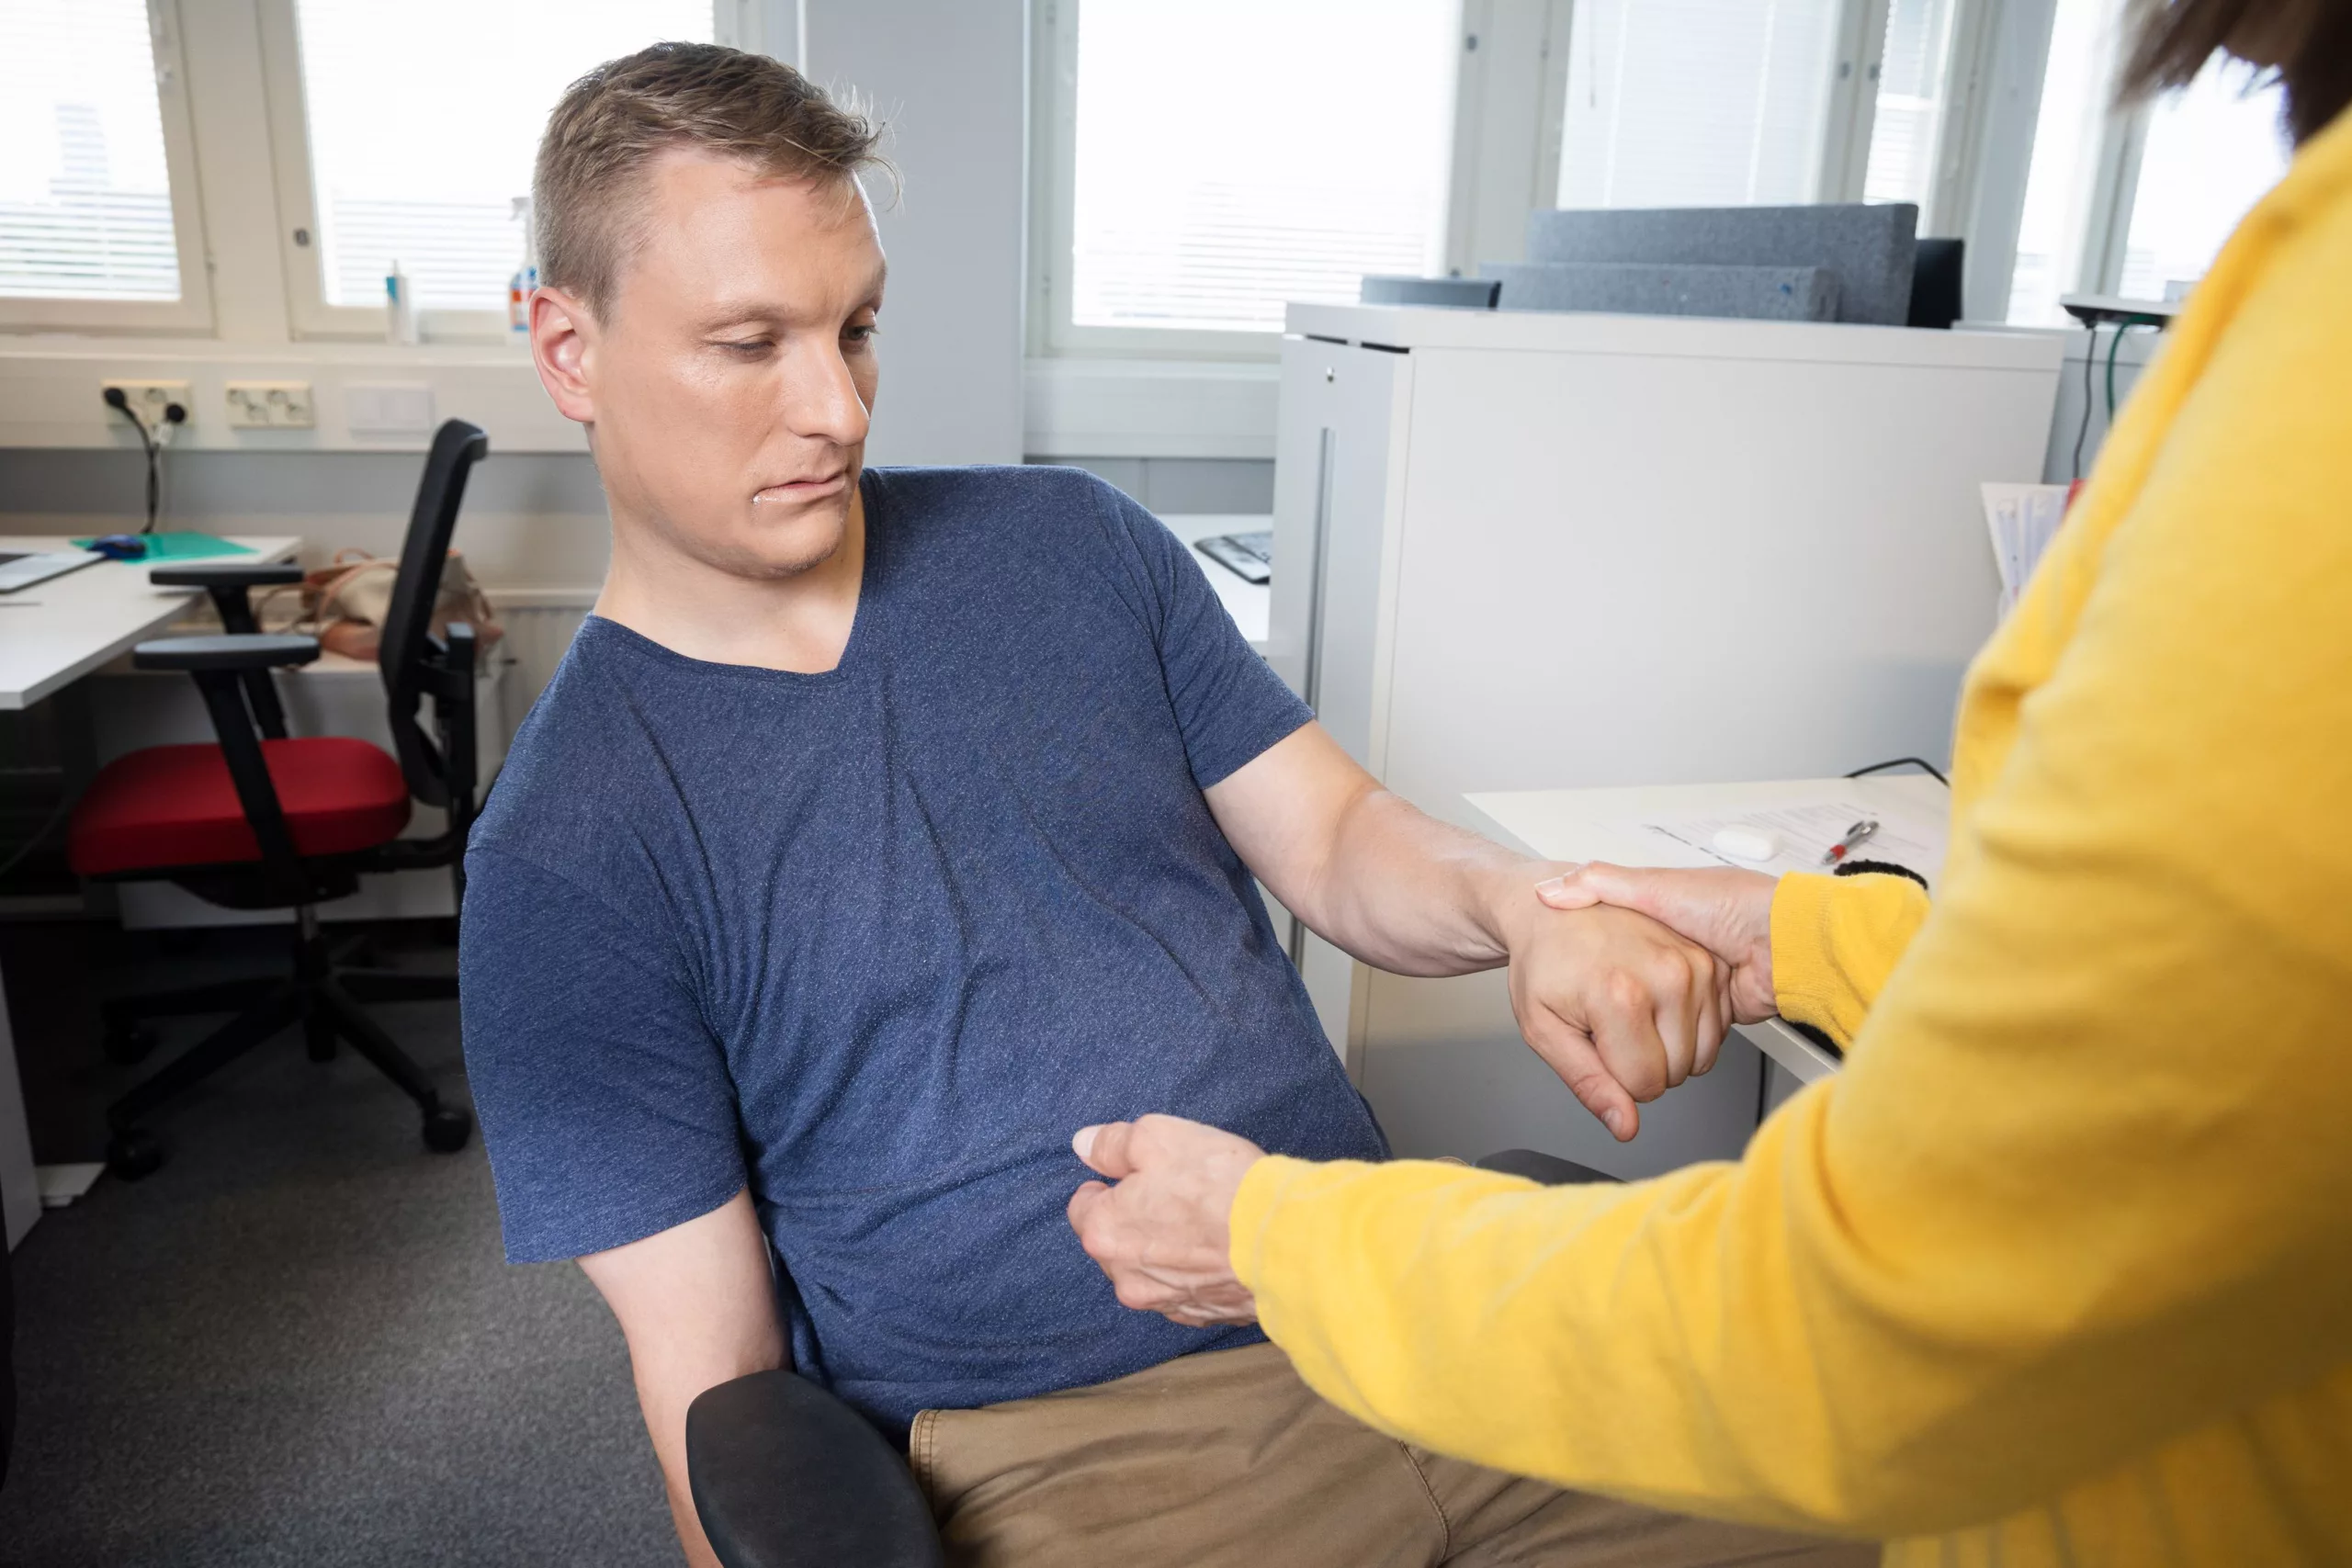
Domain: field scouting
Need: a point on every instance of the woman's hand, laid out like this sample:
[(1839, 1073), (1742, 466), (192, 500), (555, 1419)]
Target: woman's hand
[(1725, 911), (1163, 1233)]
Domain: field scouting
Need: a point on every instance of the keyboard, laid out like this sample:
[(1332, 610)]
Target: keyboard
[(21, 571), (1250, 556)]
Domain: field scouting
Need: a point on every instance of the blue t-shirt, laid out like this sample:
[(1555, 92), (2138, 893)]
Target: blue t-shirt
[(876, 941)]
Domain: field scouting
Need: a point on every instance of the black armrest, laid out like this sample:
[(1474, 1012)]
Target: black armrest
[(785, 1475), (1551, 1170), (226, 574), (253, 651)]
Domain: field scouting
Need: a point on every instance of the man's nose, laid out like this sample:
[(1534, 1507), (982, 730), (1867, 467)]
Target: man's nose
[(822, 398)]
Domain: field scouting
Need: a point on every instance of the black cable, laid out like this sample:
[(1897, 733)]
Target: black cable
[(115, 400), (2112, 348), (173, 415), (43, 832), (2090, 367), (1920, 762)]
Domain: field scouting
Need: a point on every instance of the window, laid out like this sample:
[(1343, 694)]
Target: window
[(1913, 101), (2134, 203), (90, 233), (416, 151), (1698, 103), (2212, 149), (1222, 158), (2068, 134)]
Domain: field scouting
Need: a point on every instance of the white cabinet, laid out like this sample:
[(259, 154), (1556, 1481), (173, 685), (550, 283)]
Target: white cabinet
[(1565, 551)]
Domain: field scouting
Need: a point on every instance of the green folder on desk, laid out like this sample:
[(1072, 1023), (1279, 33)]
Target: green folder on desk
[(180, 547)]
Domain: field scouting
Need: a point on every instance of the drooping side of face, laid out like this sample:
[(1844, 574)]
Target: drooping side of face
[(732, 373)]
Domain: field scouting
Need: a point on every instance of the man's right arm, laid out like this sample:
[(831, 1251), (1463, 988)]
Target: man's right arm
[(697, 1304)]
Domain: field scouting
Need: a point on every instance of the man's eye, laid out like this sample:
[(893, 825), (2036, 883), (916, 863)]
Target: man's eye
[(860, 335), (747, 347)]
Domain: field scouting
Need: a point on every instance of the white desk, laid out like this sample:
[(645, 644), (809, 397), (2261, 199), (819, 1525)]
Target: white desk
[(1598, 824), (52, 634), (56, 632), (1249, 604)]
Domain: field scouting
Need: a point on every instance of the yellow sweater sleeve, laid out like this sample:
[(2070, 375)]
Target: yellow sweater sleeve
[(1835, 940), (2082, 1187)]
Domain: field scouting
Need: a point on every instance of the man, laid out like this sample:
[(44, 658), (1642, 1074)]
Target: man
[(880, 827)]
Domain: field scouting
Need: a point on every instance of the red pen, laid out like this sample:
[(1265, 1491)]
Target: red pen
[(1848, 839)]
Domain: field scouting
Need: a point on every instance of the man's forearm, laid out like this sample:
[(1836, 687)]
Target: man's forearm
[(1407, 893)]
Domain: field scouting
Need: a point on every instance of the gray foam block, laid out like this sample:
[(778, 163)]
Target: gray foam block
[(1646, 288), (1871, 247)]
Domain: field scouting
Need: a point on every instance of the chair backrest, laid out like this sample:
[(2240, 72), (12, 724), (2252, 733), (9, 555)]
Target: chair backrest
[(1463, 293), (407, 646)]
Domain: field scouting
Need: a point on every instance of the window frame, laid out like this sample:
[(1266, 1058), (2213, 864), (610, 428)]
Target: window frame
[(191, 314), (742, 23), (1505, 157)]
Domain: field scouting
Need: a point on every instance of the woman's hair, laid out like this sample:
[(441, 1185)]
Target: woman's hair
[(2309, 42)]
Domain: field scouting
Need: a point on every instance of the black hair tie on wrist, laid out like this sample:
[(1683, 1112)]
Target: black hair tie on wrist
[(1879, 868)]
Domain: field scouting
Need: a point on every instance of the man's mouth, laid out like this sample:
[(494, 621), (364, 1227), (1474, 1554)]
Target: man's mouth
[(806, 489)]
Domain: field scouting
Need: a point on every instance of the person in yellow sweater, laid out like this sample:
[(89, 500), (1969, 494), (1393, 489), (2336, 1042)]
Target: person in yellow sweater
[(2059, 1268)]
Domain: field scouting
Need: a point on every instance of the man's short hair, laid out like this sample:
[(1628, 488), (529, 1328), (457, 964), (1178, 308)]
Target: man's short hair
[(587, 187)]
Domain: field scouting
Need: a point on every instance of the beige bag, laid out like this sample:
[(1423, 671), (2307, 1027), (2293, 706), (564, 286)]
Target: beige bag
[(345, 606)]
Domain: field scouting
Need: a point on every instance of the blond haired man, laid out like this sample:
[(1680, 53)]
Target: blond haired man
[(882, 826)]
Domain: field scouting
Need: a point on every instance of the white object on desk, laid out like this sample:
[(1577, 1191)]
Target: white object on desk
[(21, 569), (1618, 825), (1748, 845), (75, 623)]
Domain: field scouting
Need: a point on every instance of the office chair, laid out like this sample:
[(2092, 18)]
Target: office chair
[(262, 821), (785, 1475)]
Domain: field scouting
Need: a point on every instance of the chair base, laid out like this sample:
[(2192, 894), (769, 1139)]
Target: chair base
[(323, 999)]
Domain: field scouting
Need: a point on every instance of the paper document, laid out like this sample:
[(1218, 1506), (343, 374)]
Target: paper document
[(1805, 833), (2023, 519)]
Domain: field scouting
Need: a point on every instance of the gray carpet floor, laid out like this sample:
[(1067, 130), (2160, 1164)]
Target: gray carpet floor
[(298, 1344)]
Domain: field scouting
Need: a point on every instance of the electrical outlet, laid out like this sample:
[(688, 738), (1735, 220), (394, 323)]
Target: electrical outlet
[(270, 405), (148, 400)]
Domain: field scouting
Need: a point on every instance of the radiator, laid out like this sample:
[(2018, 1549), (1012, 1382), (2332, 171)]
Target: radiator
[(539, 623)]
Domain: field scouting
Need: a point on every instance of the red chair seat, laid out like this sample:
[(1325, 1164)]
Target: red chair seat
[(174, 806)]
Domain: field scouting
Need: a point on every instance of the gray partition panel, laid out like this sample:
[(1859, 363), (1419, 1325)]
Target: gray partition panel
[(1758, 293), (1871, 247)]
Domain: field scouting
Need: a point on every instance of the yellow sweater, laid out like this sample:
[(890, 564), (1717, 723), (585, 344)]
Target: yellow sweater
[(2059, 1270)]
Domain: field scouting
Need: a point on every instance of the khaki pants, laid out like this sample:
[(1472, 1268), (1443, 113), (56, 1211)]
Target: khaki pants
[(1226, 1460)]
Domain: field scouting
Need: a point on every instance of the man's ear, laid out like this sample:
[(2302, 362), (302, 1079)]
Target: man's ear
[(563, 336)]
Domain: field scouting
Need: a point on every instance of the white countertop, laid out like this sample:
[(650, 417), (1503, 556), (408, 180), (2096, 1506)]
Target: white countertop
[(58, 631)]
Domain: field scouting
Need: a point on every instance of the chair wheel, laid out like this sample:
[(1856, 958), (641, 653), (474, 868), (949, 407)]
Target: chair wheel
[(128, 1043), (446, 1130), (133, 1156)]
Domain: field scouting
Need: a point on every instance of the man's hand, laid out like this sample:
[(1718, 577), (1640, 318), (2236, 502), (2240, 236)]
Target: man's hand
[(1619, 1006), (1727, 911), (1163, 1233)]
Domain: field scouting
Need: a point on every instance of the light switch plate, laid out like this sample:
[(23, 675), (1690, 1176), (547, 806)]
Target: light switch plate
[(388, 411)]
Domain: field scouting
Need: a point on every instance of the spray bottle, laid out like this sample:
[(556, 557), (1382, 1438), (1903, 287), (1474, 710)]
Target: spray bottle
[(527, 276)]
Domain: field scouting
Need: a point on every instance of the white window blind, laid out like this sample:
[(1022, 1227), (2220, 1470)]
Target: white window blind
[(1233, 155), (1697, 103), (86, 204), (1913, 93), (2213, 148), (424, 120)]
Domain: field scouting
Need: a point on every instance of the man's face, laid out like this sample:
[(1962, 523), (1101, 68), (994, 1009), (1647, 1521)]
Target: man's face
[(731, 380)]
